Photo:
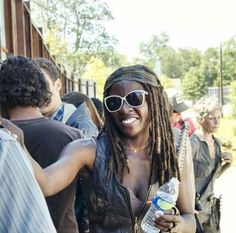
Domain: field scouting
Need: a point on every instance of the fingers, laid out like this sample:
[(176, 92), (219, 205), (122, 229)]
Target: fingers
[(167, 226), (9, 132), (167, 221), (148, 202), (226, 157)]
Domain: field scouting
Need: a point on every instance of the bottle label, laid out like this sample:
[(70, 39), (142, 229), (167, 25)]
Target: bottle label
[(162, 204), (147, 224)]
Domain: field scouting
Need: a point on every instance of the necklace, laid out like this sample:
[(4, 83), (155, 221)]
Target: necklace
[(136, 149)]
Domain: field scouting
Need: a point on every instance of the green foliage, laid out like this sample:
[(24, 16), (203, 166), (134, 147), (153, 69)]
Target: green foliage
[(97, 71), (151, 50), (233, 97), (227, 133), (188, 58), (81, 24), (166, 82), (211, 66), (77, 37), (229, 58), (170, 63), (193, 84), (197, 70)]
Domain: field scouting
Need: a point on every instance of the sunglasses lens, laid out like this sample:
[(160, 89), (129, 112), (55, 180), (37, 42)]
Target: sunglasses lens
[(135, 98), (113, 103)]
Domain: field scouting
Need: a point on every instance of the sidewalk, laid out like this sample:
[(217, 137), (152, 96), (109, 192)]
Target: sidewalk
[(226, 185)]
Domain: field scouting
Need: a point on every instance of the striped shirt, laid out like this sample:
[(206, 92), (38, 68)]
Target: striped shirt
[(22, 206)]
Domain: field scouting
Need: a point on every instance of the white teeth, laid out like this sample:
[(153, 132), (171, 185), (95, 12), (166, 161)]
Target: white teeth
[(128, 121)]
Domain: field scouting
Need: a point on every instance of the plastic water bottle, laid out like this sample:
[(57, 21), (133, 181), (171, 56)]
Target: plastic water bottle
[(165, 199)]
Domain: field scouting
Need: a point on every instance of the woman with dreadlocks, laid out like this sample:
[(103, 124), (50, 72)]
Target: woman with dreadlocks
[(131, 157)]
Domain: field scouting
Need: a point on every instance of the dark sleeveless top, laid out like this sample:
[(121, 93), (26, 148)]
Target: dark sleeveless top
[(108, 200)]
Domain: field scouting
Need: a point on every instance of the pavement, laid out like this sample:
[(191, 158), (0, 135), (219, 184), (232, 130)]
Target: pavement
[(226, 185)]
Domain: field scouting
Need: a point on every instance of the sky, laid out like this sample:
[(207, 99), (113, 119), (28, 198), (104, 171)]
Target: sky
[(189, 23)]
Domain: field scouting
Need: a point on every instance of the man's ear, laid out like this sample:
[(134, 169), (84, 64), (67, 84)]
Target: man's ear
[(58, 84)]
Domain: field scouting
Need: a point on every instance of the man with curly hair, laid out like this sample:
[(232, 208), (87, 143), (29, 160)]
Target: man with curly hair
[(23, 90)]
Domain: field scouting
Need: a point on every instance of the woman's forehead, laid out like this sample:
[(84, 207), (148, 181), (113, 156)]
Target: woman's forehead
[(214, 112), (125, 86)]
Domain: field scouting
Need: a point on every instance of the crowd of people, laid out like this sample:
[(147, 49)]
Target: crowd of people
[(73, 164)]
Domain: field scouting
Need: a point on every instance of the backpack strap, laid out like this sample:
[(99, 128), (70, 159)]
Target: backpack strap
[(181, 146)]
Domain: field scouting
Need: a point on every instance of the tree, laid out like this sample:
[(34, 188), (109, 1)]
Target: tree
[(233, 97), (170, 64), (151, 50), (210, 67), (80, 23), (193, 84), (188, 58), (229, 58), (97, 71), (166, 82)]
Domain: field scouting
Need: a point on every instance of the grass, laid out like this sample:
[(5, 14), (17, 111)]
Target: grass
[(227, 134)]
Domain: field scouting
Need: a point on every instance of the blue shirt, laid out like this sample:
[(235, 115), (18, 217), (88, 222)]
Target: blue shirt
[(22, 204), (58, 115), (78, 118)]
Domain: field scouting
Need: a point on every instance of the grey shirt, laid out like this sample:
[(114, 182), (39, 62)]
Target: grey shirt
[(206, 169)]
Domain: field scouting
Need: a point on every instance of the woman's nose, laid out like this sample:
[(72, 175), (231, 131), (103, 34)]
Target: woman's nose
[(125, 107)]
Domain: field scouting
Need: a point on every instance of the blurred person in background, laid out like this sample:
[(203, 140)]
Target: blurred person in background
[(178, 107), (82, 101), (99, 106), (23, 90), (58, 110), (208, 159)]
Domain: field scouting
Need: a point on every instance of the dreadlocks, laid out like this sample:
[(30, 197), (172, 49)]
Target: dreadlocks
[(164, 161)]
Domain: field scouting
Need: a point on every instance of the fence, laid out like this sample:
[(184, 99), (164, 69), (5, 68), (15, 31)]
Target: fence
[(19, 36)]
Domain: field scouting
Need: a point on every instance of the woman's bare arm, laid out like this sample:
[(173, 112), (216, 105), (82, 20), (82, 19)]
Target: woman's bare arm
[(185, 221), (186, 200), (76, 155)]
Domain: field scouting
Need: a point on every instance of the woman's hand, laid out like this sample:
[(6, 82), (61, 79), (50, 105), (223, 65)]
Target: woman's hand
[(226, 158), (168, 221)]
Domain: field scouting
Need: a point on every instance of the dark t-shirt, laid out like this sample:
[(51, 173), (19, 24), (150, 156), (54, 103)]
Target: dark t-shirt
[(45, 139)]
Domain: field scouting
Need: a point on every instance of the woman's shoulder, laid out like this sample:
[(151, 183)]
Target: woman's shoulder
[(85, 144), (83, 150), (194, 138)]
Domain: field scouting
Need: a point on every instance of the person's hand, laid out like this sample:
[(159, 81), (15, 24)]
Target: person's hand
[(168, 221), (7, 130), (226, 158)]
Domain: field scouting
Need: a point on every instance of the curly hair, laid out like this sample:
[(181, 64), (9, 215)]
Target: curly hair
[(164, 163), (22, 83), (204, 106), (48, 67)]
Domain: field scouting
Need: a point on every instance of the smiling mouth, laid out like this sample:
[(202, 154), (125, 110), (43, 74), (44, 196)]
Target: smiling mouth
[(128, 121)]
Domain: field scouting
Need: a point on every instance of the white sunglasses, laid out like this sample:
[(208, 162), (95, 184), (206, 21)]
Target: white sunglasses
[(134, 99)]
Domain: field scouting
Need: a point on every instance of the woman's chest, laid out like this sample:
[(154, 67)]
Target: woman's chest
[(137, 182)]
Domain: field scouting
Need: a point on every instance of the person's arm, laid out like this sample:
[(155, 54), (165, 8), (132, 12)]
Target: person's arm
[(76, 155), (183, 221), (186, 200)]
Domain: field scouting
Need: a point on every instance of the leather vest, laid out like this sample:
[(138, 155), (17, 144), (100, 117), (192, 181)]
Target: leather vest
[(108, 201)]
